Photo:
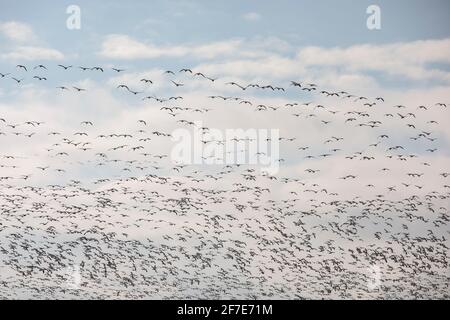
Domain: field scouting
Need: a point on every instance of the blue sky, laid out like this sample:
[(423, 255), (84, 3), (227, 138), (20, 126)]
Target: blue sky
[(323, 23)]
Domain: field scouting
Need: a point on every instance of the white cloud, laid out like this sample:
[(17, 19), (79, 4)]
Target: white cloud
[(273, 66), (124, 47), (252, 16), (17, 31), (215, 49), (416, 61), (120, 46), (32, 53), (404, 59)]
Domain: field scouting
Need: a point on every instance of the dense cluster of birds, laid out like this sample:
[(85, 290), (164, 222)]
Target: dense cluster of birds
[(123, 221)]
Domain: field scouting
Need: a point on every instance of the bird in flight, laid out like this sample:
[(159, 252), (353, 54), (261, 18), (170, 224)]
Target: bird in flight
[(177, 84), (97, 69), (64, 67), (20, 66)]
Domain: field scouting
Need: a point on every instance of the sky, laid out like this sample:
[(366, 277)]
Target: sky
[(283, 27), (406, 62), (302, 22)]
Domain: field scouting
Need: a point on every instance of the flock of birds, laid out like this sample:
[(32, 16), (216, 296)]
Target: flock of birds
[(124, 221)]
